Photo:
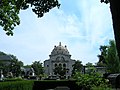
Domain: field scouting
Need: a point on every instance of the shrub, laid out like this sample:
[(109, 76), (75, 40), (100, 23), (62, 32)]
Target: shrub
[(16, 85), (51, 84), (88, 81), (101, 88)]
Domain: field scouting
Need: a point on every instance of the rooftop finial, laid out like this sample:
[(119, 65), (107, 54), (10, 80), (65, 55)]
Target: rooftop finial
[(59, 43)]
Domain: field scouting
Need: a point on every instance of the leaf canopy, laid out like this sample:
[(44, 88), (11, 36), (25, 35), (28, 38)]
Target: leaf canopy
[(9, 11)]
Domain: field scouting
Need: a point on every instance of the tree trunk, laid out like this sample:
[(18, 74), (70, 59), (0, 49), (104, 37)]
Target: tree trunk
[(115, 11)]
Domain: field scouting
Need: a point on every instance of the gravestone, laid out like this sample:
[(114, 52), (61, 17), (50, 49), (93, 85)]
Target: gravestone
[(1, 75), (114, 79), (62, 88)]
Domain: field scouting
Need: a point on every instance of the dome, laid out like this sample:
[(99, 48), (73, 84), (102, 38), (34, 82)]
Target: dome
[(60, 50)]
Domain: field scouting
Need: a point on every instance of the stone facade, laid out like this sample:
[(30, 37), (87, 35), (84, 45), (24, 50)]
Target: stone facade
[(59, 57)]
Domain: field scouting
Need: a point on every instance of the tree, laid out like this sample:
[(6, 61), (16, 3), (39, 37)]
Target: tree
[(109, 58), (115, 11), (10, 9), (38, 68), (15, 66), (90, 69), (112, 59), (4, 63), (4, 68), (2, 53), (102, 56), (77, 67), (59, 70), (12, 65)]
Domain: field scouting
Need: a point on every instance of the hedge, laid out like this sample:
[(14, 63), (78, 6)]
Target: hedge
[(38, 85), (52, 84), (17, 85)]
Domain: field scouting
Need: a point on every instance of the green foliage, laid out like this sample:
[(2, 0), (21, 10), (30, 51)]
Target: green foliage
[(112, 59), (37, 66), (88, 81), (9, 15), (13, 79), (109, 58), (15, 66), (77, 67), (4, 68), (2, 53), (101, 88), (59, 70), (90, 69), (9, 10), (52, 84), (27, 66), (102, 56), (16, 85), (105, 1)]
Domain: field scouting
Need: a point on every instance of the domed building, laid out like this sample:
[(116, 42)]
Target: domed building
[(60, 62)]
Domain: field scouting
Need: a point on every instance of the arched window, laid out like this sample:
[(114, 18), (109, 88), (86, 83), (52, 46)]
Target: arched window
[(60, 64), (55, 64), (64, 65)]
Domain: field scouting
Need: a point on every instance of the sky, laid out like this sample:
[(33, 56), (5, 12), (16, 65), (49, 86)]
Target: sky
[(82, 25)]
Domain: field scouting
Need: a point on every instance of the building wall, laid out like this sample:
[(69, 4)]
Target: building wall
[(59, 55), (49, 65)]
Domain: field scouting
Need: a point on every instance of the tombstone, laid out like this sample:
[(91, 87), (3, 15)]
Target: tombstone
[(114, 79), (62, 88), (33, 72), (1, 75)]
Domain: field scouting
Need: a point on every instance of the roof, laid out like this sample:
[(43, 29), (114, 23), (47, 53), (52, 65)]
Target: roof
[(60, 50), (5, 57)]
